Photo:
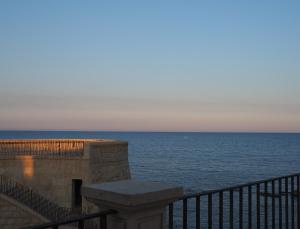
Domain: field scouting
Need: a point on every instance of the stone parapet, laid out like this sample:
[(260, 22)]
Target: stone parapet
[(139, 204), (50, 148), (52, 174)]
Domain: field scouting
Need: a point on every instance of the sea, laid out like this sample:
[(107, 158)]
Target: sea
[(197, 161)]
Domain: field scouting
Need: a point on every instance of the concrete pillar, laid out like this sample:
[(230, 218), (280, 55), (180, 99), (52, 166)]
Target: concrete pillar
[(139, 204)]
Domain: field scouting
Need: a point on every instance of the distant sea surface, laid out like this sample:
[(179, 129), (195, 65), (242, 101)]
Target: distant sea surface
[(198, 161)]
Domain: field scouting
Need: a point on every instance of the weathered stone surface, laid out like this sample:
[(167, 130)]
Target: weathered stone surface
[(138, 204), (51, 176), (131, 192), (13, 215), (104, 160)]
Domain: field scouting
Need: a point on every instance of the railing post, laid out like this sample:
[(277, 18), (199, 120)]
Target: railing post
[(139, 205)]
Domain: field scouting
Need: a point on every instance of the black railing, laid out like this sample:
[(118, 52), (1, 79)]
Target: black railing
[(62, 148), (271, 203), (77, 222), (33, 200)]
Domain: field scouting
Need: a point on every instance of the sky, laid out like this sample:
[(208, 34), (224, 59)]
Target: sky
[(150, 65)]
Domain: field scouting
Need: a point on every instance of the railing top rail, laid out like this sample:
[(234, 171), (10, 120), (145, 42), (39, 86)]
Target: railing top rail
[(203, 193), (71, 220), (45, 148), (51, 140)]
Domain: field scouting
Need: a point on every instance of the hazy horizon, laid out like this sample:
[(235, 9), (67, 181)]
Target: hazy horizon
[(148, 131), (156, 66)]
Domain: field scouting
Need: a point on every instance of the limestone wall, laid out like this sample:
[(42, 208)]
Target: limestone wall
[(52, 178), (102, 160), (108, 162), (14, 216)]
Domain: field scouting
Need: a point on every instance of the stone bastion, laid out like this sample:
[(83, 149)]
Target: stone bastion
[(57, 168)]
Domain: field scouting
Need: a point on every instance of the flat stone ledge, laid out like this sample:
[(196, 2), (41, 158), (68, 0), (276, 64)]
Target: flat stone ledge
[(132, 193), (139, 204)]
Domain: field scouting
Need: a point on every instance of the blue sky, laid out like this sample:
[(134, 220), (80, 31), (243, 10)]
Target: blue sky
[(156, 65)]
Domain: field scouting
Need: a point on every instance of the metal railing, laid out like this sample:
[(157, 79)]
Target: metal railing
[(42, 148), (271, 203), (34, 200), (77, 222)]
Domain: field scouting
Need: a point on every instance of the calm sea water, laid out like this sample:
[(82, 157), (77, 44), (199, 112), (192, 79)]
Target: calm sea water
[(198, 161)]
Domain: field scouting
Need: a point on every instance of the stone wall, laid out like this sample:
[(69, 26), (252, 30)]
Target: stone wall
[(14, 216), (102, 161), (108, 162), (52, 178)]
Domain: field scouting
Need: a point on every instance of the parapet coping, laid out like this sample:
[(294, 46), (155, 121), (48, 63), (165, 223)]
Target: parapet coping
[(131, 193), (58, 140), (45, 157), (91, 141)]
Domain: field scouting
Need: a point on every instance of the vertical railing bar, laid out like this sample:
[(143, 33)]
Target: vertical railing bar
[(286, 203), (292, 202), (171, 215), (273, 205), (258, 206), (231, 209), (197, 212), (241, 208), (184, 212), (266, 204), (103, 222), (221, 210), (280, 203), (209, 213), (80, 224), (298, 202), (249, 207)]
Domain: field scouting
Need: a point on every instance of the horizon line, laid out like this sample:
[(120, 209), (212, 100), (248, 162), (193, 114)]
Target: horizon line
[(153, 131)]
